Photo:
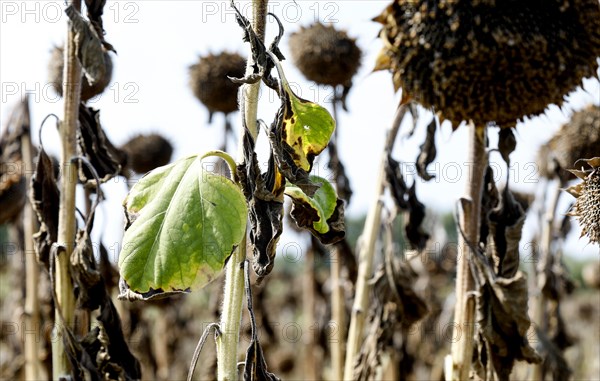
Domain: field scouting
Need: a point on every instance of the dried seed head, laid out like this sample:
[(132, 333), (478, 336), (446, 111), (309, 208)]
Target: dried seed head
[(488, 60), (146, 152), (579, 138), (587, 205), (325, 55), (209, 82), (55, 73)]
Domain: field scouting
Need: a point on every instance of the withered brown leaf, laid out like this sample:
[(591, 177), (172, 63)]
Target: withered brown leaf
[(503, 323), (416, 215), (505, 225), (264, 193), (428, 152), (88, 45), (95, 10), (395, 307), (395, 183), (45, 199), (255, 365), (502, 317), (97, 148), (305, 215)]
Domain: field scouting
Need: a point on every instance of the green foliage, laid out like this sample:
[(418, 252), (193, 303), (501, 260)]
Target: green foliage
[(307, 127), (321, 205), (183, 224)]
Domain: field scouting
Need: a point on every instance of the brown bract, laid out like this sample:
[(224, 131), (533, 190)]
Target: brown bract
[(579, 138), (325, 55), (210, 83), (490, 61)]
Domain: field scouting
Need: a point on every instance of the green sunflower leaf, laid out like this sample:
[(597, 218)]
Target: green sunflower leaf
[(322, 214), (183, 223), (307, 126)]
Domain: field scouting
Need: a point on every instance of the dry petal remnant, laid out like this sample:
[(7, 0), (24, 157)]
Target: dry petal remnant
[(210, 83), (325, 55), (587, 205), (488, 60)]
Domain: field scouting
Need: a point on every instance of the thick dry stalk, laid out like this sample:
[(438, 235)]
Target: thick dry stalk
[(233, 294), (66, 215), (540, 318), (366, 253), (470, 220), (160, 344), (231, 315), (309, 363), (338, 305), (31, 308), (338, 316)]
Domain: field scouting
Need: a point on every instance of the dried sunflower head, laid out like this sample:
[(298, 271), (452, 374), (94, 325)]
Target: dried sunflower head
[(209, 82), (587, 205), (578, 138), (490, 61), (325, 55), (146, 152), (55, 74)]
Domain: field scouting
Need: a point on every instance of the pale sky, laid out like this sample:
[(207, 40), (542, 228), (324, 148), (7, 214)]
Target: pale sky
[(157, 40)]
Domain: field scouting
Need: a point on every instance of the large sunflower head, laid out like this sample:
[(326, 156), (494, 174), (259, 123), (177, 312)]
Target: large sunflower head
[(146, 152), (490, 61), (325, 55), (88, 91), (210, 83), (578, 138)]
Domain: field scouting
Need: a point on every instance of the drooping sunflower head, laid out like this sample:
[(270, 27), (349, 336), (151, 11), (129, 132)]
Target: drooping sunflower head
[(578, 138), (490, 61), (587, 205), (88, 91), (210, 83), (325, 55), (146, 152)]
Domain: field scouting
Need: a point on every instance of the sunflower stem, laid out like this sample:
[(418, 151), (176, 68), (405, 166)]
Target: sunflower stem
[(366, 253), (66, 214), (338, 306), (540, 318), (31, 307), (233, 294), (308, 314), (470, 220)]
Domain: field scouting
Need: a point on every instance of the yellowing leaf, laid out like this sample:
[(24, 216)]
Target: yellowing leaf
[(307, 126), (322, 214), (184, 223)]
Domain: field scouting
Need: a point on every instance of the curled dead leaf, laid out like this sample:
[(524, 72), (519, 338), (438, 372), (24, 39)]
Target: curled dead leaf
[(95, 146), (428, 152)]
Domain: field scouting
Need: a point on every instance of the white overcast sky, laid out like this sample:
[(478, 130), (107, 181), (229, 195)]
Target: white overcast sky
[(156, 41)]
